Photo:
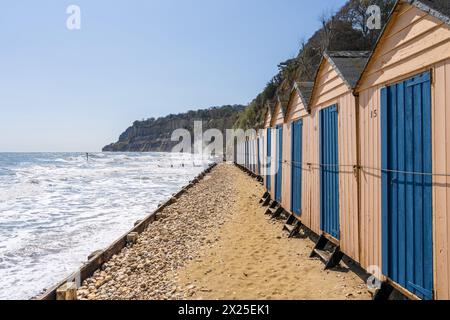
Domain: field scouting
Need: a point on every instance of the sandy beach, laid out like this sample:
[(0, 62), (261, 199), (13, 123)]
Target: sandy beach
[(216, 243)]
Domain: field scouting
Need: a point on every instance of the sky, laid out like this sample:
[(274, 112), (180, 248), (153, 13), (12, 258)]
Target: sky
[(78, 90)]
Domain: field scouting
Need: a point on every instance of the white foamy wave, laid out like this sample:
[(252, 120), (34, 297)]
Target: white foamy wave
[(55, 209)]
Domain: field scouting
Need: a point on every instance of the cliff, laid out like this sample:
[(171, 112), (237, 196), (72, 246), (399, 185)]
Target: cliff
[(155, 134)]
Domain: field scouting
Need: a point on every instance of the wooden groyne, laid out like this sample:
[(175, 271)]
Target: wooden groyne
[(101, 257)]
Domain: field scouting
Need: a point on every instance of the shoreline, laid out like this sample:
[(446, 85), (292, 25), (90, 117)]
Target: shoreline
[(98, 258)]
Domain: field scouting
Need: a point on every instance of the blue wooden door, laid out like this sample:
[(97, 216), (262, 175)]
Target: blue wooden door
[(296, 184), (269, 160), (279, 164), (329, 172), (407, 185)]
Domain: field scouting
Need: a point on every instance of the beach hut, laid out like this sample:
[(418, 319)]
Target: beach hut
[(332, 154), (404, 134), (295, 198), (280, 147)]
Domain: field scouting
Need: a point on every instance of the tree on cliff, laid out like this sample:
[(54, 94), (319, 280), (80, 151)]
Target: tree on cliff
[(345, 30)]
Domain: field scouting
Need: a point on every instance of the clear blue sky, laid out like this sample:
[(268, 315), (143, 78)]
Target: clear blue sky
[(64, 90)]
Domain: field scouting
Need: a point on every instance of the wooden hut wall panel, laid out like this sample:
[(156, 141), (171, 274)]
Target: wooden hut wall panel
[(307, 134), (329, 86), (311, 186), (307, 172), (370, 179), (298, 110), (287, 168), (441, 184), (348, 180), (273, 160)]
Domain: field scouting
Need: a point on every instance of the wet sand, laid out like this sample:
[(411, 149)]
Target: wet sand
[(216, 243)]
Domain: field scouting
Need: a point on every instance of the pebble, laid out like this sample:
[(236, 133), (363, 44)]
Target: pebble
[(148, 270)]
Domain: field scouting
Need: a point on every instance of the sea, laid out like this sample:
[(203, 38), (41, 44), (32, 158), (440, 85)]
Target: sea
[(57, 208)]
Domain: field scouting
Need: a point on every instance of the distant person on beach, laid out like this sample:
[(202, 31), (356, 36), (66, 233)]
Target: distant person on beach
[(87, 156)]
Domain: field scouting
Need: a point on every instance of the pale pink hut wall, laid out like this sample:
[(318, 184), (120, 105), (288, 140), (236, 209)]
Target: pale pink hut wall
[(441, 164), (331, 89), (287, 168), (412, 43), (273, 161), (370, 180), (310, 177)]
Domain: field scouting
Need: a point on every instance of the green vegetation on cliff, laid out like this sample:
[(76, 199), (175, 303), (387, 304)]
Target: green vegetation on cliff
[(344, 31), (155, 134)]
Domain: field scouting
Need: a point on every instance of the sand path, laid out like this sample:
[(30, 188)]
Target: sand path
[(254, 259)]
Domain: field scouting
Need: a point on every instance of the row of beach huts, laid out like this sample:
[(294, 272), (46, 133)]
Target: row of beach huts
[(361, 156)]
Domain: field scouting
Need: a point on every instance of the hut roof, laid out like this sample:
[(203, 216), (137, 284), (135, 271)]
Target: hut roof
[(304, 90), (283, 101), (437, 8), (349, 64)]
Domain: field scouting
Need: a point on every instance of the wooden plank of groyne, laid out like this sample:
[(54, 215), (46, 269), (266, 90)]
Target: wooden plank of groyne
[(67, 291)]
